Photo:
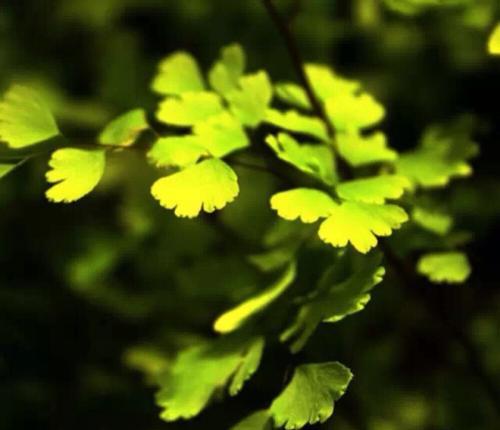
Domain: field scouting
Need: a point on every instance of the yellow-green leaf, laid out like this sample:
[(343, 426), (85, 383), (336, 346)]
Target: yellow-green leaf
[(221, 135), (432, 220), (360, 224), (189, 108), (494, 41), (359, 150), (177, 74), (350, 112), (75, 172), (124, 130), (250, 101), (208, 186), (374, 190), (226, 72), (445, 267), (260, 420), (293, 121), (236, 317), (176, 151), (25, 118), (307, 204), (315, 160)]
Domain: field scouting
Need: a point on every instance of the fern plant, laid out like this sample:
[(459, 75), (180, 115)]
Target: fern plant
[(340, 189)]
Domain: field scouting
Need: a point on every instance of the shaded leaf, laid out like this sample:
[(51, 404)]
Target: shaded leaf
[(309, 397), (293, 121), (260, 420), (226, 72), (359, 150), (445, 267), (176, 151)]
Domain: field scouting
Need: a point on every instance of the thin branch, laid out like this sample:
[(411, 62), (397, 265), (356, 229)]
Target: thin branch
[(284, 29), (297, 62)]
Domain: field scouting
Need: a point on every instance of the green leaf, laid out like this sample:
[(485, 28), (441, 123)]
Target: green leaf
[(442, 155), (260, 420), (292, 94), (314, 160), (445, 267), (189, 108), (360, 224), (239, 315), (359, 150), (221, 135), (309, 397), (324, 81), (432, 220), (124, 130), (294, 121), (178, 73), (25, 118), (6, 168), (250, 101), (75, 172), (176, 151), (374, 190), (494, 41), (307, 204), (208, 186), (226, 72), (349, 112), (199, 372), (249, 364), (343, 290)]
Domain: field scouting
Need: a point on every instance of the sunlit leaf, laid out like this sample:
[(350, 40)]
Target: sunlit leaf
[(208, 186), (75, 172), (351, 112), (236, 317), (189, 108), (250, 101), (359, 150), (309, 397), (376, 189), (494, 41), (177, 74), (221, 135), (360, 224), (307, 204), (294, 121), (226, 72), (25, 118), (124, 130), (315, 160), (445, 267), (201, 371), (176, 151)]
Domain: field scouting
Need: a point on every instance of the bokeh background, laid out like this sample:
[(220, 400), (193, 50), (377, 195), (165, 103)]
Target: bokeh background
[(95, 297)]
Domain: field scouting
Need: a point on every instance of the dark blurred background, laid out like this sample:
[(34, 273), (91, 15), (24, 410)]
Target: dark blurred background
[(96, 296)]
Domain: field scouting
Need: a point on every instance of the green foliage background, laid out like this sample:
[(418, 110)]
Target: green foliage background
[(97, 297)]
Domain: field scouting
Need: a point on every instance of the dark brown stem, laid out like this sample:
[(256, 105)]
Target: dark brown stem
[(284, 29)]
